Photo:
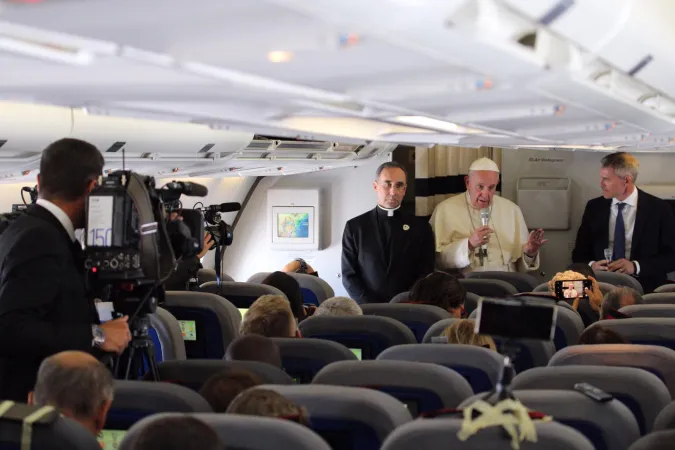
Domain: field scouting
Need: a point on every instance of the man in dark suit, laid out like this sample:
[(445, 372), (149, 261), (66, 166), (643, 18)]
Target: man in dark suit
[(384, 251), (44, 306), (637, 227)]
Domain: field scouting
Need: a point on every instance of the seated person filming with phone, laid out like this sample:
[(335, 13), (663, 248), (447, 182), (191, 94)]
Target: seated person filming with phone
[(587, 298)]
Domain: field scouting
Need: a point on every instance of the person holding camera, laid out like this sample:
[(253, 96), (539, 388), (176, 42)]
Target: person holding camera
[(44, 305)]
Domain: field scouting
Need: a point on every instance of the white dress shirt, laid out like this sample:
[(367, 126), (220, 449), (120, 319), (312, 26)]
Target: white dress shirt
[(629, 214), (61, 216)]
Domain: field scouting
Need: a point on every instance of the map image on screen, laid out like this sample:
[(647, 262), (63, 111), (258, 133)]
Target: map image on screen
[(189, 329), (293, 225), (110, 439)]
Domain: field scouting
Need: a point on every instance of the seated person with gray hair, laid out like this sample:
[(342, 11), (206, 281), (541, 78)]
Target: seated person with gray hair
[(177, 433), (270, 316), (616, 299), (339, 306), (78, 386)]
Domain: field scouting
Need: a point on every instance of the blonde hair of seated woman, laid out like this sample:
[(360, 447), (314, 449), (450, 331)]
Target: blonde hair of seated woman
[(462, 332)]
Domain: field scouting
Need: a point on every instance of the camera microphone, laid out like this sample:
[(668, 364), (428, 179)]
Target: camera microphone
[(224, 207), (188, 188)]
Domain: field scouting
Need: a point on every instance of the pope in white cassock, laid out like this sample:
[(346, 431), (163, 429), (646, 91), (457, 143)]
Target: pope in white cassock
[(460, 234)]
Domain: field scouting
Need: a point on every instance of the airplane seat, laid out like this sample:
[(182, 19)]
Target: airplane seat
[(642, 392), (619, 279), (241, 295), (206, 275), (470, 303), (488, 288), (657, 360), (239, 432), (194, 373), (660, 298), (523, 282), (660, 440), (165, 328), (135, 400), (479, 366), (644, 330), (208, 322), (303, 358), (347, 417), (604, 287), (665, 420), (443, 433), (531, 352), (608, 425), (422, 387), (49, 431), (369, 334), (314, 289), (670, 287), (401, 297), (649, 310), (416, 317)]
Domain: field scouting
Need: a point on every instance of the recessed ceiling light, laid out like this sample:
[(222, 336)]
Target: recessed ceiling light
[(279, 56)]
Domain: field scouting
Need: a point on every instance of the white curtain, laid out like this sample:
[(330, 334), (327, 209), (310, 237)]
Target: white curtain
[(440, 172)]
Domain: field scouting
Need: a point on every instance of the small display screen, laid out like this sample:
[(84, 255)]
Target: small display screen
[(100, 221), (110, 439), (189, 330), (357, 351), (243, 312), (572, 289)]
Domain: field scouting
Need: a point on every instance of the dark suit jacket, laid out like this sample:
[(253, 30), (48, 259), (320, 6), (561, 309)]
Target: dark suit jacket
[(367, 276), (44, 308), (653, 241)]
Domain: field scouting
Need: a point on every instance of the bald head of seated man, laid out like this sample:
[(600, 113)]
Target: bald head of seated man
[(253, 347), (78, 386)]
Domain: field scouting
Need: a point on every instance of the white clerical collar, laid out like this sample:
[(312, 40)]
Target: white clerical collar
[(389, 211), (630, 200), (61, 216)]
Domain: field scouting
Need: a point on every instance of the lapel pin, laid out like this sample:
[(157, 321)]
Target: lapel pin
[(406, 227)]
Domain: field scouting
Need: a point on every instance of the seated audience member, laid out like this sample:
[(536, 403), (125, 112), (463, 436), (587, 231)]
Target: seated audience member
[(339, 306), (588, 308), (300, 266), (442, 290), (77, 385), (619, 297), (221, 388), (253, 347), (601, 335), (291, 289), (462, 332), (177, 433), (270, 316), (267, 403)]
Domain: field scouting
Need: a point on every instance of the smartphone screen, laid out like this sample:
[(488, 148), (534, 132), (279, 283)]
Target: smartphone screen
[(571, 289), (516, 319)]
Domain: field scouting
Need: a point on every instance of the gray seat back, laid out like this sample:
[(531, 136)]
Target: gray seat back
[(400, 297), (665, 288), (470, 303), (193, 373), (319, 289), (416, 317), (303, 358), (479, 366), (657, 360), (609, 425), (660, 440), (336, 411), (216, 321), (206, 275), (642, 392), (619, 279), (241, 295), (424, 387), (665, 420), (238, 432), (644, 330), (370, 334), (169, 334), (649, 310), (523, 282), (488, 288), (660, 298), (442, 434)]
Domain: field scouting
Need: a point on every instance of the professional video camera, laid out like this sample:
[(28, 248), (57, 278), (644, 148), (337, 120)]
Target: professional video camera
[(17, 209), (128, 249), (221, 231)]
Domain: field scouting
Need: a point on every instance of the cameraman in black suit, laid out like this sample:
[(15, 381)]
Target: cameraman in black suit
[(44, 306)]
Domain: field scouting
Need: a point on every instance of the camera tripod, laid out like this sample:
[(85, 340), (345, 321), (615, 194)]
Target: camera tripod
[(140, 353), (502, 390)]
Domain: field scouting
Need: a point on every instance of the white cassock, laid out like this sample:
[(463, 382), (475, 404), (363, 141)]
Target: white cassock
[(454, 220)]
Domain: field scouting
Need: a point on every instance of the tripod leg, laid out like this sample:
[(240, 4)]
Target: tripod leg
[(152, 361), (130, 361)]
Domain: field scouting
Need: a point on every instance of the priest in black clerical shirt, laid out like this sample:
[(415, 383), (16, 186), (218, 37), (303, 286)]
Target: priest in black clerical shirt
[(385, 251)]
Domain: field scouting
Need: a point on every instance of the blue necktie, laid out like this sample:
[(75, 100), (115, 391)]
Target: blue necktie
[(619, 250)]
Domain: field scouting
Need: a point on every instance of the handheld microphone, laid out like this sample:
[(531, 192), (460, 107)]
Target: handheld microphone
[(484, 219), (224, 207)]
